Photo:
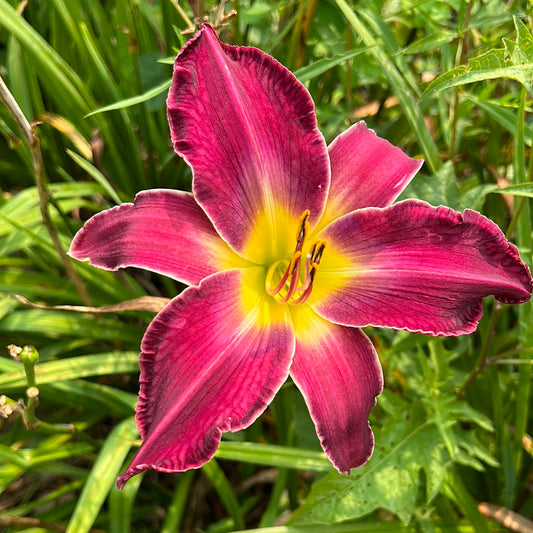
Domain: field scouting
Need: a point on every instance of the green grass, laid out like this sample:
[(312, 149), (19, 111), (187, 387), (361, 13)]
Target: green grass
[(446, 81)]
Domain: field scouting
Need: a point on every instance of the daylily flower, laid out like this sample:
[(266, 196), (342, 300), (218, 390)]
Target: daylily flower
[(289, 248)]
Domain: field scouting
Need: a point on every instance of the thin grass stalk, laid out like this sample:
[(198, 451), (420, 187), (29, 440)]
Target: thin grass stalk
[(284, 413), (483, 358), (183, 15), (273, 509), (348, 72), (524, 242), (35, 149), (402, 90), (456, 490), (298, 34), (178, 504), (121, 504), (459, 61), (225, 492), (236, 22)]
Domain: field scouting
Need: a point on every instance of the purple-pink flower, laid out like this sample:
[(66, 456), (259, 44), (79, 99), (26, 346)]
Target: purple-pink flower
[(289, 247)]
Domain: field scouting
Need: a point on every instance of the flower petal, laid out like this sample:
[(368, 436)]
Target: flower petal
[(366, 171), (247, 127), (416, 267), (338, 372), (211, 362), (164, 231)]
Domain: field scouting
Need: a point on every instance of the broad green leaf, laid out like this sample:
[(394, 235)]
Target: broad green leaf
[(442, 189), (389, 480), (369, 527), (514, 61), (256, 13)]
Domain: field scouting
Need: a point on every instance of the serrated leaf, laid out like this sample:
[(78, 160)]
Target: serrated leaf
[(442, 189), (514, 61), (472, 453), (389, 480)]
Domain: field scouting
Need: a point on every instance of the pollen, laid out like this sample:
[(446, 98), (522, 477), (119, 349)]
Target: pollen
[(290, 281)]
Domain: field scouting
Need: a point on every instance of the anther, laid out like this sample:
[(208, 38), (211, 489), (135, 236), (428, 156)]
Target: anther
[(296, 293), (302, 231)]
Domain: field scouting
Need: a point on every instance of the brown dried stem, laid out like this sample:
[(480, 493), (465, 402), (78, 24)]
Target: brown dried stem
[(506, 517)]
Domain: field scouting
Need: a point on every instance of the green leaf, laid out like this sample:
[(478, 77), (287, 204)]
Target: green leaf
[(323, 65), (442, 189), (96, 174), (122, 505), (366, 527), (429, 43), (397, 79), (520, 189), (134, 100), (102, 476), (389, 480), (57, 324), (272, 455), (73, 368), (504, 117), (225, 491), (514, 61)]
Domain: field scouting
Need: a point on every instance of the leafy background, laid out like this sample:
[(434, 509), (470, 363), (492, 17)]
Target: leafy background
[(448, 81)]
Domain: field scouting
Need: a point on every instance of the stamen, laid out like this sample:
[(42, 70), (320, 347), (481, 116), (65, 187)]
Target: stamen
[(302, 232), (296, 293), (288, 271), (307, 291), (293, 285), (317, 256)]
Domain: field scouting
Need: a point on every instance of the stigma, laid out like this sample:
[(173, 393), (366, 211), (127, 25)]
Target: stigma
[(286, 281)]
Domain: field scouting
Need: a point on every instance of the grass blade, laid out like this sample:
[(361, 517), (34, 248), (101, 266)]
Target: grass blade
[(400, 86), (134, 100), (102, 476), (75, 368), (272, 455)]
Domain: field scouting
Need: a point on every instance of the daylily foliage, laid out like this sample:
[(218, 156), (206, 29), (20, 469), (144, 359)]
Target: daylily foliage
[(289, 247)]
